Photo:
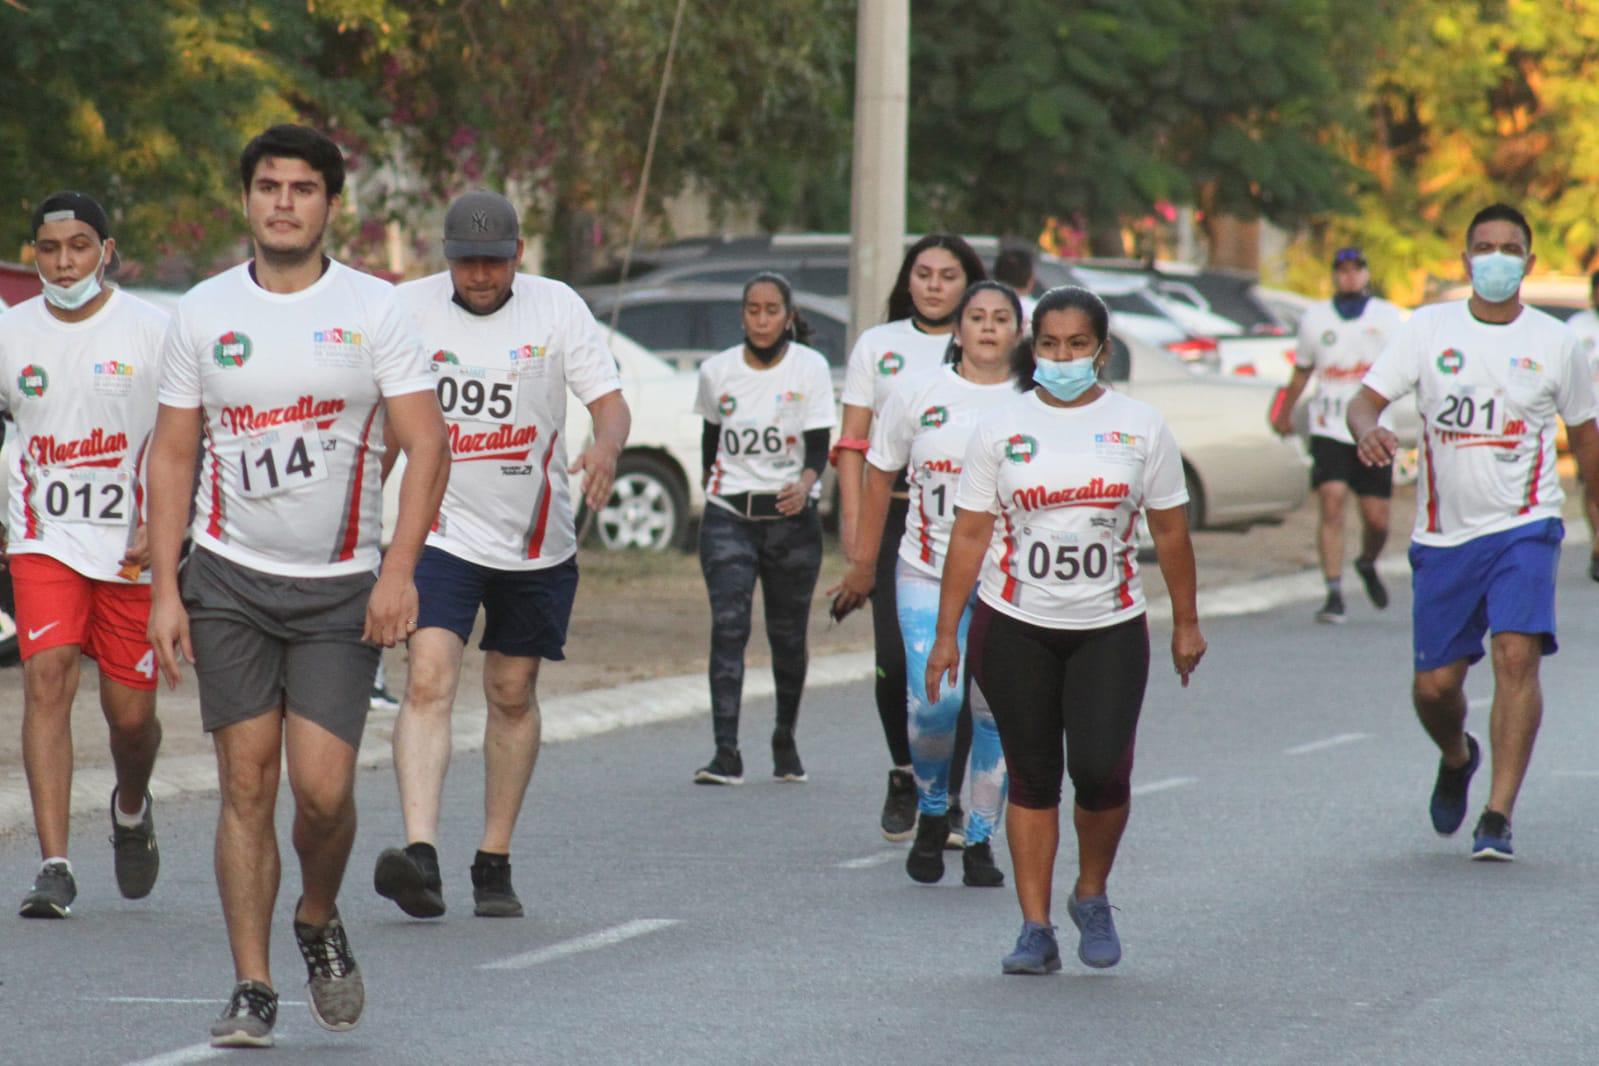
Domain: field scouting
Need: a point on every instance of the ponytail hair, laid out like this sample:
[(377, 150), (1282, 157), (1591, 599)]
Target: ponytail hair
[(952, 352)]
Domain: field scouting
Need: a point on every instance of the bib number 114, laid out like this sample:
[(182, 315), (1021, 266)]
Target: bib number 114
[(281, 460)]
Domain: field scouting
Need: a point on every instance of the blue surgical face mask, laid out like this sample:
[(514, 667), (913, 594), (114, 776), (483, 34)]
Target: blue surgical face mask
[(1497, 275), (71, 297), (1067, 380)]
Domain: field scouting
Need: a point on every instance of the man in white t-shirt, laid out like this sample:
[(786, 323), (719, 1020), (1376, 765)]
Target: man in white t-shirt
[(1492, 379), (78, 368), (1338, 342), (296, 370), (506, 348), (1585, 324)]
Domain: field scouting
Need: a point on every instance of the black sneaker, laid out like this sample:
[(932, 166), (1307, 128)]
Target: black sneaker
[(1491, 840), (492, 894), (1374, 586), (410, 879), (54, 889), (977, 860), (1450, 790), (725, 768), (337, 992), (786, 765), (1593, 567), (899, 807), (134, 855), (957, 827), (248, 1018), (1332, 611), (925, 863)]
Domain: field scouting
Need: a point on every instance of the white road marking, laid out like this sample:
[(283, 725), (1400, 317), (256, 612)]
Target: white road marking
[(1327, 742), (192, 1053), (175, 999), (1163, 784), (1575, 773), (591, 942), (866, 862)]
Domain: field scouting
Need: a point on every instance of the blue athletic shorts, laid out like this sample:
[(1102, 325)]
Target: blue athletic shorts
[(1503, 582), (526, 611)]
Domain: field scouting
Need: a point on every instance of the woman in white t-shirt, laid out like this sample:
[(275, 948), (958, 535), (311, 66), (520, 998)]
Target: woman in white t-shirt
[(768, 407), (921, 315), (924, 430), (1051, 492)]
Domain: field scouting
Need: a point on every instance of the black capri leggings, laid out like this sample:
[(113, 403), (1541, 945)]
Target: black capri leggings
[(1087, 684)]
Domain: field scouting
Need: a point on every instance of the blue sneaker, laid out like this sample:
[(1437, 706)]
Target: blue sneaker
[(1036, 951), (1097, 943), (1449, 792), (1491, 841)]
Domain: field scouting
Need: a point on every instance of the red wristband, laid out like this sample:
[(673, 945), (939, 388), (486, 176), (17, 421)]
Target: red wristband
[(848, 444)]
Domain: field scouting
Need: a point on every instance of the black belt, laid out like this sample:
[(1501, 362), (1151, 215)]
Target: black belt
[(747, 502)]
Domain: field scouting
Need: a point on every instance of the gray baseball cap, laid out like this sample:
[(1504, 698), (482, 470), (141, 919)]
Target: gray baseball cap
[(480, 224)]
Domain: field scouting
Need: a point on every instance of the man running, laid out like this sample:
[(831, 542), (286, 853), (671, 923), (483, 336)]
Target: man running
[(78, 368), (1585, 324), (507, 347), (1491, 377), (295, 368), (1338, 342)]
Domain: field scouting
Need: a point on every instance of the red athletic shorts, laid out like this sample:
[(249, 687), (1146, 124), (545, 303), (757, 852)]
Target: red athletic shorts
[(56, 605)]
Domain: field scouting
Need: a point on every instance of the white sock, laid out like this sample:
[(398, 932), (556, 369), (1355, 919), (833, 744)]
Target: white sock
[(130, 821), (62, 859)]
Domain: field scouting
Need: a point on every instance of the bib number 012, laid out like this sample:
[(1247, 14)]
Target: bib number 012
[(88, 495)]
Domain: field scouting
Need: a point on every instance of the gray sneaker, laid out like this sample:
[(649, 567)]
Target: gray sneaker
[(248, 1018), (338, 994), (1097, 944), (136, 857), (54, 889)]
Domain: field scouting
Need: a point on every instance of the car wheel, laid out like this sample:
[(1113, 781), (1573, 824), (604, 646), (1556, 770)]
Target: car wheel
[(648, 508), (1196, 498)]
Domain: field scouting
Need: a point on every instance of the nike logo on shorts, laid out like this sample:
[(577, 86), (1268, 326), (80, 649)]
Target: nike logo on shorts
[(35, 634)]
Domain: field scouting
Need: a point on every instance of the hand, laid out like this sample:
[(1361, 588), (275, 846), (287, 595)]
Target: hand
[(390, 611), (137, 558), (944, 659), (598, 464), (791, 498), (1187, 648), (853, 591), (1283, 424), (1378, 447), (168, 631)]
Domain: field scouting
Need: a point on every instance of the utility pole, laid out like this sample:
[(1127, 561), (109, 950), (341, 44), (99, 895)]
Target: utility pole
[(877, 187)]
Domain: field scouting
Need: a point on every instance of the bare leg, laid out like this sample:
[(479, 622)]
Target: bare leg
[(1099, 833), (135, 739), (422, 730), (1591, 509), (1440, 697), (247, 864), (322, 777), (510, 744), (1373, 527), (1330, 496), (49, 685), (1517, 712), (1034, 837)]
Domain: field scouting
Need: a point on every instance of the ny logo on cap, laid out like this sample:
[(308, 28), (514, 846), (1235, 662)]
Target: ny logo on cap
[(480, 221)]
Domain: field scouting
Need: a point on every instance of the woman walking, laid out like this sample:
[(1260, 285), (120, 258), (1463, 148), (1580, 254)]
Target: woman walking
[(768, 407), (1058, 642), (925, 428), (932, 277)]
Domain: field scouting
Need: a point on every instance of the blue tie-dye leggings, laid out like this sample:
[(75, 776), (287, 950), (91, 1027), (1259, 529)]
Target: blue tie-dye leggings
[(932, 725)]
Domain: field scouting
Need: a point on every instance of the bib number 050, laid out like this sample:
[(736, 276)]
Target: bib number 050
[(1068, 561)]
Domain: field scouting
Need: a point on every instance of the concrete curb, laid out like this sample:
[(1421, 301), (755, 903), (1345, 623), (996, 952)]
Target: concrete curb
[(587, 714)]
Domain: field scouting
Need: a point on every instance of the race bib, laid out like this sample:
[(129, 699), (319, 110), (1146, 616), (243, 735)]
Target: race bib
[(97, 496), (1051, 555), (1468, 411), (282, 459), (477, 394), (753, 439), (1331, 407), (938, 494)]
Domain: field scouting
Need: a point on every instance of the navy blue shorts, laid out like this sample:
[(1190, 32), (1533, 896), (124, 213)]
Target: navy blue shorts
[(526, 611), (1503, 582)]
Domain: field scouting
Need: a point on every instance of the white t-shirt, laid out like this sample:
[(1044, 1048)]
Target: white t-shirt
[(1585, 324), (925, 426), (291, 385), (82, 395), (763, 415), (884, 352), (1068, 485), (1489, 397), (1340, 351), (502, 382)]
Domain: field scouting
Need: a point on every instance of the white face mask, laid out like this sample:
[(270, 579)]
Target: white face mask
[(71, 297)]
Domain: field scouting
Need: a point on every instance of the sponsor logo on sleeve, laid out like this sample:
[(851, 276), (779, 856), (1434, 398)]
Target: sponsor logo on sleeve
[(727, 405), (1451, 361), (890, 364), (934, 417), (33, 381), (1021, 448), (232, 349), (337, 347), (113, 378)]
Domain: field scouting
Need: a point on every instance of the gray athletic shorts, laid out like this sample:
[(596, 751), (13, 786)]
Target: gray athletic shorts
[(262, 642)]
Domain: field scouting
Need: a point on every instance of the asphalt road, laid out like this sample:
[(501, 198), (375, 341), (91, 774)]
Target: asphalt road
[(1282, 899)]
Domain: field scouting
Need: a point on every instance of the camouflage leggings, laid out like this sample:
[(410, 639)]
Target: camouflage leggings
[(786, 555)]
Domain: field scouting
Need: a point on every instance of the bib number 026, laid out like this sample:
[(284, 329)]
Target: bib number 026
[(748, 440), (280, 460), (1067, 562)]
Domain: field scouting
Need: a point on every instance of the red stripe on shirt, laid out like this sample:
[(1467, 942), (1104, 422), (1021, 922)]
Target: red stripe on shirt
[(352, 521), (1534, 478), (921, 513), (1432, 481), (213, 527), (1008, 593), (31, 529), (535, 543), (1124, 591)]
